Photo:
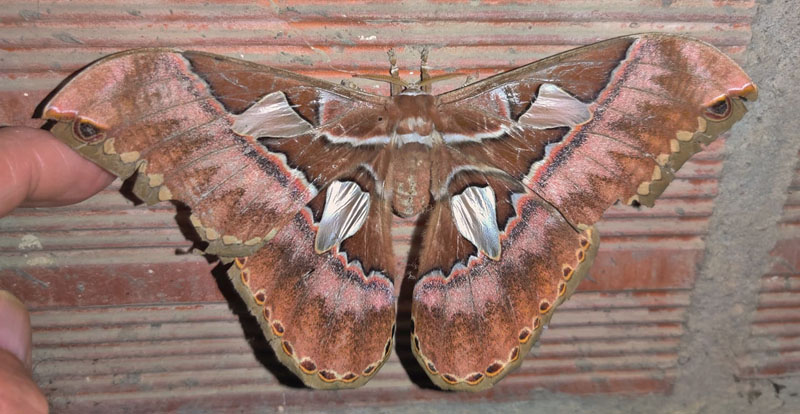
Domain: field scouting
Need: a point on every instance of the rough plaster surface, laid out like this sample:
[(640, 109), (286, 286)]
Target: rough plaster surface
[(761, 153), (760, 159)]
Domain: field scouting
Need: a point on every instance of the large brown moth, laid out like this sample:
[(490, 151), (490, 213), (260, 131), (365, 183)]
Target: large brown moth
[(298, 183)]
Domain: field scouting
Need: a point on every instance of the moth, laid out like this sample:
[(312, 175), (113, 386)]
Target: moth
[(298, 183)]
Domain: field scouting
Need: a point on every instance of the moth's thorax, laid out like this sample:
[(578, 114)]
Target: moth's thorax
[(414, 116)]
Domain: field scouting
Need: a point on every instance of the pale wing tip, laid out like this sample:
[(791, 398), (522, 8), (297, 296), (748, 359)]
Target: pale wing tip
[(749, 92)]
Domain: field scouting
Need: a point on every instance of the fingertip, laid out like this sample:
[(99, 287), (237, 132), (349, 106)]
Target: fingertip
[(15, 327), (40, 170)]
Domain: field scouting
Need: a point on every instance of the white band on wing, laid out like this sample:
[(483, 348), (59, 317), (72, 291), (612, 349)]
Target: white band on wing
[(475, 218), (345, 211), (272, 116), (554, 108)]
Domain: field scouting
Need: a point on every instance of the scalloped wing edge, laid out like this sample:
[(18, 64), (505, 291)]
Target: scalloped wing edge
[(485, 380), (150, 188), (237, 273), (687, 143)]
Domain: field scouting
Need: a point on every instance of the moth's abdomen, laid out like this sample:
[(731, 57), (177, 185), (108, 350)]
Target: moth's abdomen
[(410, 180)]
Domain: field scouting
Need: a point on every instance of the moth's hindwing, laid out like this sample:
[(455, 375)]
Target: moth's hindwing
[(328, 321), (474, 323)]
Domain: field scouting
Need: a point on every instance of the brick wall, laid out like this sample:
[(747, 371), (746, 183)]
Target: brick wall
[(124, 318)]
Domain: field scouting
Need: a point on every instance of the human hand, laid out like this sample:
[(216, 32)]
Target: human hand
[(18, 392), (36, 169)]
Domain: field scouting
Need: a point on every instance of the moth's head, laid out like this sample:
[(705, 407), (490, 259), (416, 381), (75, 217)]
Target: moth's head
[(402, 87)]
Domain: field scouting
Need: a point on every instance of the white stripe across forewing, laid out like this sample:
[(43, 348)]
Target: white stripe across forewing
[(272, 116), (377, 140), (399, 140), (458, 138), (476, 220), (345, 211), (554, 108)]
